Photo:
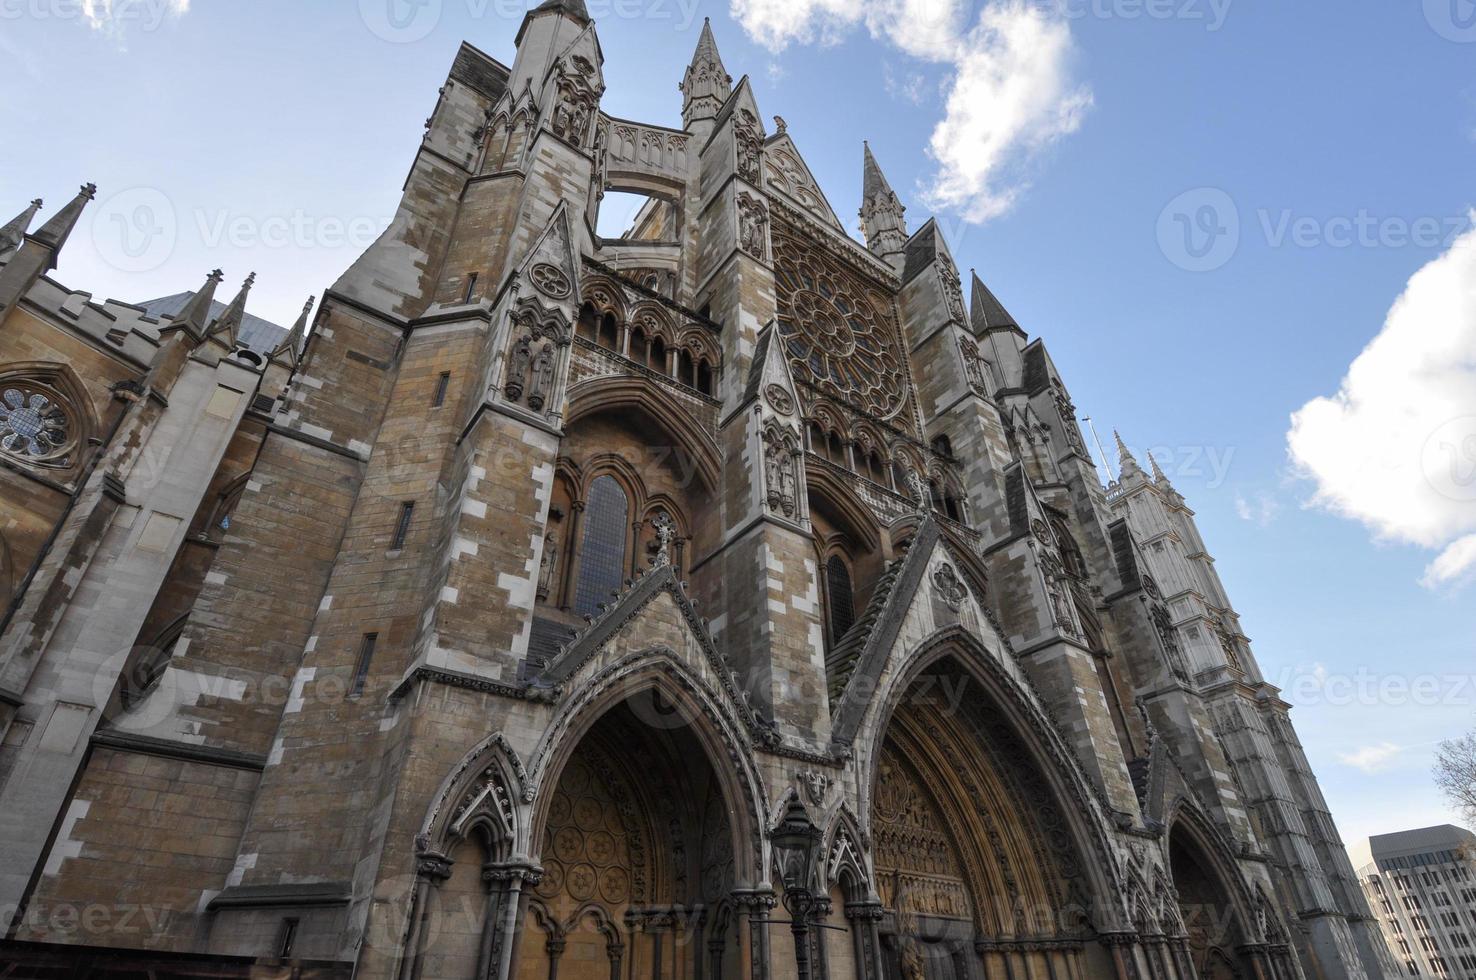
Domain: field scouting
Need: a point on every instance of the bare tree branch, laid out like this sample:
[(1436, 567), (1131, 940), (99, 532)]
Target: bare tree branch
[(1455, 774)]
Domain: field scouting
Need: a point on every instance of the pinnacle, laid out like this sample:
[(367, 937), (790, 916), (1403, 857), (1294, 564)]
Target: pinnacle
[(14, 231), (291, 345), (985, 310), (229, 322), (873, 181), (1127, 463), (53, 235), (1158, 476), (192, 316)]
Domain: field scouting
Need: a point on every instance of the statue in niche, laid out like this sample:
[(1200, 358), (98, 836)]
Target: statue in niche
[(549, 566), (543, 374), (517, 368)]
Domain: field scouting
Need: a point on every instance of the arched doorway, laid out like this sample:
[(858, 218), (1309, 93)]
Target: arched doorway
[(1210, 918), (637, 849), (972, 852)]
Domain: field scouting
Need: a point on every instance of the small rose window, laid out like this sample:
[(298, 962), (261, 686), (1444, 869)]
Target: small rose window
[(35, 425)]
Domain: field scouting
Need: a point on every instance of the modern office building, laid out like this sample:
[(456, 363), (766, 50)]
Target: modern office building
[(1422, 887)]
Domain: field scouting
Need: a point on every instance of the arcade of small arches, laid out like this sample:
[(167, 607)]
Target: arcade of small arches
[(648, 335), (891, 464), (635, 850)]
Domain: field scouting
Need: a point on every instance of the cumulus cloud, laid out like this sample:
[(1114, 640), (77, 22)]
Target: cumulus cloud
[(1395, 447), (1370, 758), (1012, 91)]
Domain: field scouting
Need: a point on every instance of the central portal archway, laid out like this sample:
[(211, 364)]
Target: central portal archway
[(973, 854), (637, 850)]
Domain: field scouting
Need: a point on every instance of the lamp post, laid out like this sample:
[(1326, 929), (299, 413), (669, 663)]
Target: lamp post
[(795, 842)]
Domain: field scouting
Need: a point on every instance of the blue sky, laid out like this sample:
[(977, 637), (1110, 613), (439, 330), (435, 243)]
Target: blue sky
[(1086, 138)]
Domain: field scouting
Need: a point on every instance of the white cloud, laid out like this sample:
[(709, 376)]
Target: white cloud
[(1013, 96), (1012, 92), (112, 15), (1260, 509), (1370, 758), (1395, 447)]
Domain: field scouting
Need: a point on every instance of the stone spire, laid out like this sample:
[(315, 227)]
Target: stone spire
[(1127, 463), (985, 311), (53, 235), (193, 316), (882, 213), (290, 348), (1158, 475), (14, 232), (706, 85), (227, 329)]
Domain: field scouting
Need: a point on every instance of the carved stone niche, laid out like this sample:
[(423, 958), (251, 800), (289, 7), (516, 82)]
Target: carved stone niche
[(753, 225), (574, 110), (781, 477), (537, 340), (749, 146)]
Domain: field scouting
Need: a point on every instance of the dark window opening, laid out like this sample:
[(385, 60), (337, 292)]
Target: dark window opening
[(638, 345), (704, 377), (288, 939), (842, 599), (657, 361), (407, 509), (942, 446), (609, 332), (361, 669), (442, 383), (471, 286), (686, 369), (602, 552), (589, 323)]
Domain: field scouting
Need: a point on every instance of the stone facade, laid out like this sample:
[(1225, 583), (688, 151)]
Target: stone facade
[(489, 624)]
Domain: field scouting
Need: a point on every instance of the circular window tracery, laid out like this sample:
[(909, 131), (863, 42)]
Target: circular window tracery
[(836, 329), (35, 424)]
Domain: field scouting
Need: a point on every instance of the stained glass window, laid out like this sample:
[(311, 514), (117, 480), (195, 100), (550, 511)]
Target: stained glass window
[(602, 552), (842, 600)]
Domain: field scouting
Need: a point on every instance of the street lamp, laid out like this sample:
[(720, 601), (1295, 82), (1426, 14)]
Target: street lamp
[(796, 841)]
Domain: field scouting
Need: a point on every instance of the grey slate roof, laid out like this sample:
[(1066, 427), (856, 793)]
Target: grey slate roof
[(256, 333)]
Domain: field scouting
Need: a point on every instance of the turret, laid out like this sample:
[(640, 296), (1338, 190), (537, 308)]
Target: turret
[(1128, 470), (706, 85), (37, 256), (882, 219)]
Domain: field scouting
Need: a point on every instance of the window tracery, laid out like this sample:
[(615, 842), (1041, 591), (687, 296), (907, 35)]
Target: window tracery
[(38, 424), (841, 597), (602, 552), (838, 331)]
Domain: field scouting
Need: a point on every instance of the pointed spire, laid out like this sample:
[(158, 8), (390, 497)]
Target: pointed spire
[(14, 231), (1127, 463), (883, 220), (227, 328), (291, 345), (985, 311), (706, 84), (193, 316), (53, 235), (1158, 476)]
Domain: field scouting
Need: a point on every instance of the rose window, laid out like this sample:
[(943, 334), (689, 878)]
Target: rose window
[(34, 425), (838, 331)]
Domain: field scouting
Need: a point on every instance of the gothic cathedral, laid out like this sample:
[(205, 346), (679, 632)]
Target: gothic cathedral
[(724, 601)]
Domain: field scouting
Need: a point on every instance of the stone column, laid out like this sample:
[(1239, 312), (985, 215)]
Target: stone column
[(864, 917), (431, 868)]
